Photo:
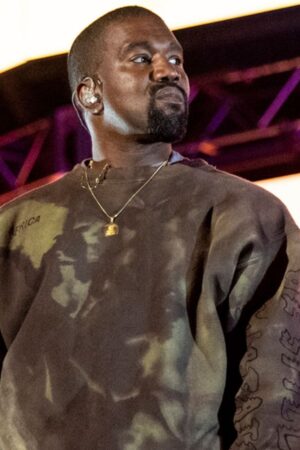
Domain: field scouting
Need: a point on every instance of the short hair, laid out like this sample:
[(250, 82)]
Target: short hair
[(81, 58)]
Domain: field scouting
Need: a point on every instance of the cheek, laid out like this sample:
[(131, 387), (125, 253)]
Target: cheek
[(124, 89), (188, 90), (187, 86), (124, 108)]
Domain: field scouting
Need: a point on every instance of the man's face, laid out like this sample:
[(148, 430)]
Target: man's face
[(145, 88)]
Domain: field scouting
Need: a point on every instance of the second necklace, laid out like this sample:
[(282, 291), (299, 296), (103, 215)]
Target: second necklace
[(112, 228)]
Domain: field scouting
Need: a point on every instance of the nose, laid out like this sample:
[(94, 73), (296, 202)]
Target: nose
[(163, 70)]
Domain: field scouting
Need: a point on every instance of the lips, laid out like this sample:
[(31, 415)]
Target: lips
[(169, 93)]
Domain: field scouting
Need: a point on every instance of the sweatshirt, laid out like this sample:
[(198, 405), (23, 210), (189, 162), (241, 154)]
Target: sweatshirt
[(181, 332)]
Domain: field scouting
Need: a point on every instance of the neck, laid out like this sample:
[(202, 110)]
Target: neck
[(132, 155)]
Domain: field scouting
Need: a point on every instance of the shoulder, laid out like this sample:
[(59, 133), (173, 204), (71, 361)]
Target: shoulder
[(222, 183), (56, 191), (42, 210), (225, 187), (238, 201)]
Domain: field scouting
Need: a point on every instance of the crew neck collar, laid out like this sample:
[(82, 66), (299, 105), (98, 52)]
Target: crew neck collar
[(132, 172)]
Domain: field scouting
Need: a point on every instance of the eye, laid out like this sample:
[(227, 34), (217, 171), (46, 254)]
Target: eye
[(176, 60), (141, 59)]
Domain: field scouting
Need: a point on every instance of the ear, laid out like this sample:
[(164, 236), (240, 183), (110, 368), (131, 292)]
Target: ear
[(88, 95)]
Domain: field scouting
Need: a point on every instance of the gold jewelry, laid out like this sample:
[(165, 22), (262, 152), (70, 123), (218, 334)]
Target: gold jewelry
[(112, 228), (99, 178)]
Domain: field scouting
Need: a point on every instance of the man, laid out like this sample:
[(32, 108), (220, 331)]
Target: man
[(127, 286)]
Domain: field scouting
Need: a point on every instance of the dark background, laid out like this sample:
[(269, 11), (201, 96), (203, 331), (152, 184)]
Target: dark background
[(238, 69)]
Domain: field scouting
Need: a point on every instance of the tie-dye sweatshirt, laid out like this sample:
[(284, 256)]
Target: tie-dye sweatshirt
[(134, 341)]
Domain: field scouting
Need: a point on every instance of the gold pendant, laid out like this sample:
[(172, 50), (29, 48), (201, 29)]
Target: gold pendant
[(111, 229)]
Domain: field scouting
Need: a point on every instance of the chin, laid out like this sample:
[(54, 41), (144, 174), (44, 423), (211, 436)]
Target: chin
[(169, 128)]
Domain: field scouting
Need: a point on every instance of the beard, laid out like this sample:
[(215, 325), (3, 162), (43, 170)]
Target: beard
[(167, 126)]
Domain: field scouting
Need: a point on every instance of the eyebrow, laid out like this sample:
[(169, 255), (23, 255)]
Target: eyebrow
[(146, 45)]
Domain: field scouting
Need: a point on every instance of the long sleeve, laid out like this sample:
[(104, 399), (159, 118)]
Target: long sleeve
[(268, 402), (136, 341), (251, 277)]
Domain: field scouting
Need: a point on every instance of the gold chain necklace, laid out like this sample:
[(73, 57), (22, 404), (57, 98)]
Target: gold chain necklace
[(112, 228)]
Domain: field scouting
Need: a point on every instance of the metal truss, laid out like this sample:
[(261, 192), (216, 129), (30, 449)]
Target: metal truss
[(19, 151), (241, 121), (40, 152), (247, 119)]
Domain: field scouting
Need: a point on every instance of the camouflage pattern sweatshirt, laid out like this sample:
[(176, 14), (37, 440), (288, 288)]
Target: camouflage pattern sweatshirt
[(143, 340)]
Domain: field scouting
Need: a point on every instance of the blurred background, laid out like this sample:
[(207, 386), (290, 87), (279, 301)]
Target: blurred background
[(243, 60)]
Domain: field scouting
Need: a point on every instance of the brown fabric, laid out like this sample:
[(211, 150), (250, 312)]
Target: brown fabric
[(133, 342)]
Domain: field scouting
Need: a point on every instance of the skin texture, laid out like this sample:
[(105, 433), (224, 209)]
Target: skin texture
[(142, 61)]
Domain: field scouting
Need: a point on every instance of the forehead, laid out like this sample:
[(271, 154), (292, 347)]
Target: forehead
[(145, 31)]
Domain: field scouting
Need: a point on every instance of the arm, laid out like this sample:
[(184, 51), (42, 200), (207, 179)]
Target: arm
[(268, 402), (2, 351)]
